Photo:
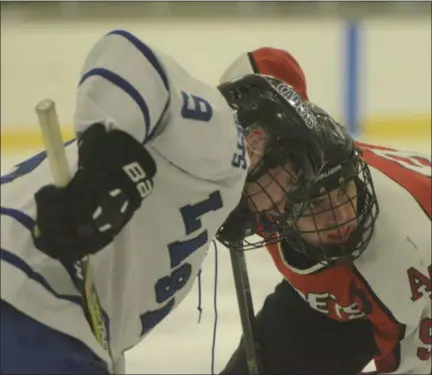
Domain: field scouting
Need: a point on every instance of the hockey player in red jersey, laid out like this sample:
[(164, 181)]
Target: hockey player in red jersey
[(356, 263)]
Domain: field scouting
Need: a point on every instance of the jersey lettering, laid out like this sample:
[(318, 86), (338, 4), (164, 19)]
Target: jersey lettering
[(196, 108), (167, 286), (425, 335), (420, 284), (326, 303), (239, 158)]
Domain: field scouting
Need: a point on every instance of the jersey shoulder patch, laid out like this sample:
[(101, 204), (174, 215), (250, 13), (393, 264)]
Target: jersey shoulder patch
[(409, 169)]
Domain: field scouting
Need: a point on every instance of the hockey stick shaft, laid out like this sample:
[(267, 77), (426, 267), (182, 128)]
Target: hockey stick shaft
[(56, 154), (247, 316), (53, 142)]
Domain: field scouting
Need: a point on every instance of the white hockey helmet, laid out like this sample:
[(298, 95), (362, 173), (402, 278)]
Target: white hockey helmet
[(270, 61)]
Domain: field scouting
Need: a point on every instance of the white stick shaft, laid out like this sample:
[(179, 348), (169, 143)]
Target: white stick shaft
[(53, 141)]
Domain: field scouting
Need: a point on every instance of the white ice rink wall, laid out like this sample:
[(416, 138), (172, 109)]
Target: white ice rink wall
[(373, 74)]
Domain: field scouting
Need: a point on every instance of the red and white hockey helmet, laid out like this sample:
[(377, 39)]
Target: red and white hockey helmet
[(271, 61)]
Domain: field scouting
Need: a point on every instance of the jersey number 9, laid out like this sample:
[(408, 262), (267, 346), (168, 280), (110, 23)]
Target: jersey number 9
[(425, 335)]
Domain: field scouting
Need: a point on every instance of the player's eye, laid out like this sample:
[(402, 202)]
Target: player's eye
[(346, 192), (319, 204)]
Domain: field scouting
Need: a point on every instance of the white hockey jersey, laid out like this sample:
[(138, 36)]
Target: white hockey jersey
[(151, 265), (390, 283)]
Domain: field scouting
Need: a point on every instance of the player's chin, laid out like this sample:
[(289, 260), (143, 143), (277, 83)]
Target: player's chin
[(328, 239), (334, 242)]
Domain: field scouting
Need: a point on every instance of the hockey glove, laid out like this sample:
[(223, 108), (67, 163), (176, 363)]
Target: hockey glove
[(114, 175)]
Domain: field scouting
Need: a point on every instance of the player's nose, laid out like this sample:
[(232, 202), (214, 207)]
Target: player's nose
[(280, 207), (342, 211)]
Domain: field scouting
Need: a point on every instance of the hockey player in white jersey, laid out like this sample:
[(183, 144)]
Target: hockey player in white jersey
[(160, 162), (356, 284)]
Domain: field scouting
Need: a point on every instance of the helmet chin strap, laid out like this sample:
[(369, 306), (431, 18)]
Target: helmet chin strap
[(241, 223)]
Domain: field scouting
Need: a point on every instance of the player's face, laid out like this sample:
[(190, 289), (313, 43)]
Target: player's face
[(331, 218), (268, 193)]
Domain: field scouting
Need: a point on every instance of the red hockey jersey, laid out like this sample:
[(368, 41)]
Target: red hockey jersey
[(390, 283)]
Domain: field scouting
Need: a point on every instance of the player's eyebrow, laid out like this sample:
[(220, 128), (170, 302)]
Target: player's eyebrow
[(319, 199), (327, 194)]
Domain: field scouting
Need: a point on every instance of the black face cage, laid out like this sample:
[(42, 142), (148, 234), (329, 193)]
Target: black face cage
[(300, 174), (293, 148), (247, 219), (364, 207)]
